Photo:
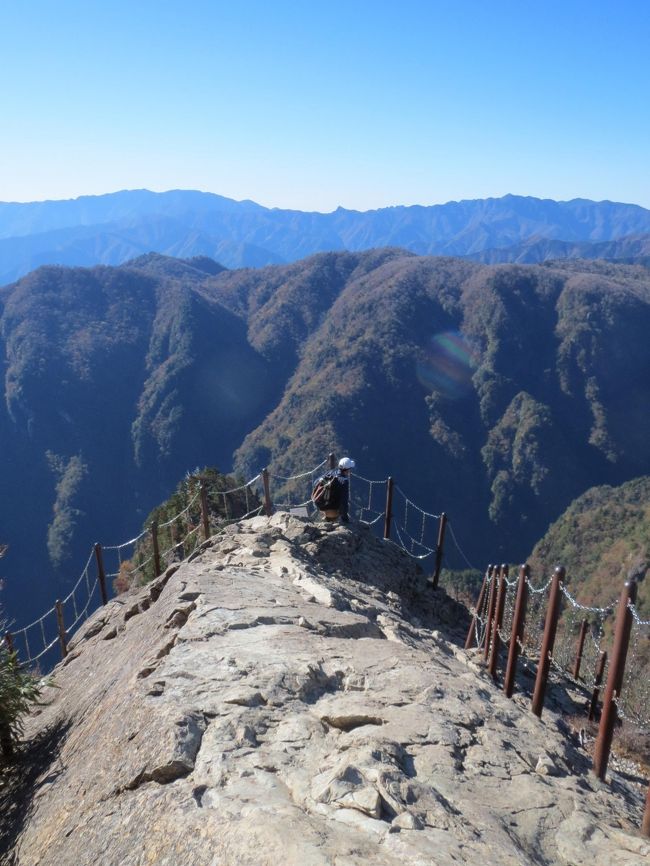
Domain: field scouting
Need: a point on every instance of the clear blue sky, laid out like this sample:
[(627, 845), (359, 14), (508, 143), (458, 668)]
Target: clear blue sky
[(315, 105)]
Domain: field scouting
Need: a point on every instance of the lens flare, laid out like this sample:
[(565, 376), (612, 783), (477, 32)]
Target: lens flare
[(446, 365)]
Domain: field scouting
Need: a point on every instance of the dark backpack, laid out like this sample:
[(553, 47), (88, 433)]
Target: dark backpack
[(326, 493)]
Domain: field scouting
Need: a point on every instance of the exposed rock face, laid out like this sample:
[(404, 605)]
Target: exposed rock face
[(288, 697)]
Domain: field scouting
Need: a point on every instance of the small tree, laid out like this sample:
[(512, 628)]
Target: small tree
[(222, 510), (19, 689)]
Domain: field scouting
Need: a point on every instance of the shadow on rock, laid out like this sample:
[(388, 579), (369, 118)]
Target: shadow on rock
[(33, 767)]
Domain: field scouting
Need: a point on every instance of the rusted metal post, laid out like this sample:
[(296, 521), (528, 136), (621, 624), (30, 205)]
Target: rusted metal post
[(614, 685), (598, 678), (469, 640), (645, 826), (517, 632), (156, 550), (492, 600), (268, 507), (101, 574), (9, 641), (205, 516), (548, 641), (579, 647), (388, 514), (331, 459), (61, 628), (498, 620), (440, 548)]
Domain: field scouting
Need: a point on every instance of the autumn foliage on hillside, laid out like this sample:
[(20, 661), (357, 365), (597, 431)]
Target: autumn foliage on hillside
[(498, 394)]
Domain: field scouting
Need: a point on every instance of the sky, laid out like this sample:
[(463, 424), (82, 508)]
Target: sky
[(316, 105)]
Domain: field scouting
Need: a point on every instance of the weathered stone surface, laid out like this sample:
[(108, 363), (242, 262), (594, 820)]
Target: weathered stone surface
[(295, 696), (546, 767), (582, 841)]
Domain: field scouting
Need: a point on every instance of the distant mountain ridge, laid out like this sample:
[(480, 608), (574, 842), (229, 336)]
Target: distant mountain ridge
[(629, 249), (113, 228)]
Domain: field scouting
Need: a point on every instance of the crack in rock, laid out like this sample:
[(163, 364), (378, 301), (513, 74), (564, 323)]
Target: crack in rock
[(348, 722)]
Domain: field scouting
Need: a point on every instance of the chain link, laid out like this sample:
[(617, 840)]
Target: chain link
[(458, 547), (579, 606), (289, 477), (413, 541), (541, 589), (637, 618)]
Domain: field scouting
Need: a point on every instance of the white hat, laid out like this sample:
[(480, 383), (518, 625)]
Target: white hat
[(346, 463)]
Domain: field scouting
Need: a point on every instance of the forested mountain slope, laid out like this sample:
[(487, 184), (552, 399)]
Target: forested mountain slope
[(497, 393), (116, 382), (603, 539)]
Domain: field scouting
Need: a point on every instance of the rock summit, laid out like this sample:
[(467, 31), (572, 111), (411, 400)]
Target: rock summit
[(297, 694)]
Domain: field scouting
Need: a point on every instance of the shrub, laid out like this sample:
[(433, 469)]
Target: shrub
[(19, 689)]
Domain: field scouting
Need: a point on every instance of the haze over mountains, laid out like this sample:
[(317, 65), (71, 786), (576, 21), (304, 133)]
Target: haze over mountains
[(111, 229), (497, 393)]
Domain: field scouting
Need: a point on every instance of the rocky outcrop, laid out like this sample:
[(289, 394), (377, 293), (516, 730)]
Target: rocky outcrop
[(296, 695)]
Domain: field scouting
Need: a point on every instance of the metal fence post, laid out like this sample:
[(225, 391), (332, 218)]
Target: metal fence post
[(579, 648), (469, 640), (598, 678), (388, 514), (548, 641), (517, 632), (498, 620), (156, 550), (101, 574), (331, 458), (268, 507), (61, 628), (614, 680), (440, 548)]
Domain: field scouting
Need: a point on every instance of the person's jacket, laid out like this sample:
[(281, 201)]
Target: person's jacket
[(343, 483)]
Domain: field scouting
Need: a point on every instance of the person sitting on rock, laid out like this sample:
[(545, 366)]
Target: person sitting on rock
[(341, 494)]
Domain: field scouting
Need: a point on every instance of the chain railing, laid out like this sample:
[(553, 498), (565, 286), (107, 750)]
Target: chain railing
[(511, 614), (133, 561), (570, 646), (34, 641), (146, 555), (368, 499), (578, 641), (297, 490)]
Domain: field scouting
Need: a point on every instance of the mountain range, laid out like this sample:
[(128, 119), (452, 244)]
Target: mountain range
[(497, 393), (111, 229)]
